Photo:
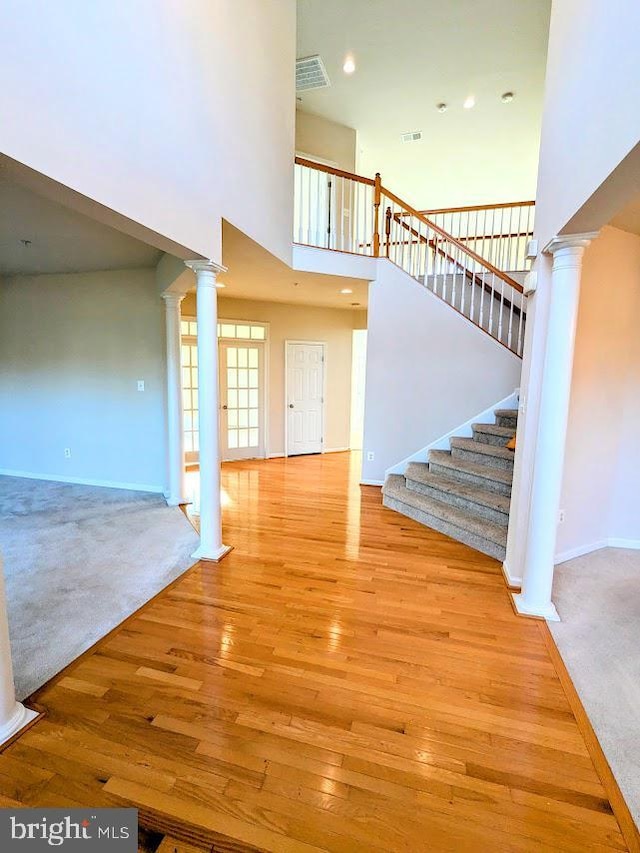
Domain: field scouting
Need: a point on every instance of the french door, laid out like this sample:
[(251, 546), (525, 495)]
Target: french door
[(242, 416), (305, 397)]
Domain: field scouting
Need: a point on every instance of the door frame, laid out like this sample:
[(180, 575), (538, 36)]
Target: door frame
[(267, 358), (322, 344), (267, 367), (262, 345)]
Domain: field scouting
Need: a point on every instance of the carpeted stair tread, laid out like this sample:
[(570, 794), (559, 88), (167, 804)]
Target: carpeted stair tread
[(444, 459), (491, 451), (494, 429), (419, 472), (485, 536), (506, 413)]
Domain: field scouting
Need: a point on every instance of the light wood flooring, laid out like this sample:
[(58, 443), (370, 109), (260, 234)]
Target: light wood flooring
[(345, 680)]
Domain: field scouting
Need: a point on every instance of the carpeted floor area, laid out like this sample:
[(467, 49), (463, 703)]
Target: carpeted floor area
[(78, 560), (598, 599)]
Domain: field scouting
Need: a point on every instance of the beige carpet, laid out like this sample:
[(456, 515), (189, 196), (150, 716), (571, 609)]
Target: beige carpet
[(78, 560), (598, 599)]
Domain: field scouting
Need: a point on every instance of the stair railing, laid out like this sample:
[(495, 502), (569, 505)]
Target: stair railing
[(334, 209), (497, 232), (344, 212), (475, 288)]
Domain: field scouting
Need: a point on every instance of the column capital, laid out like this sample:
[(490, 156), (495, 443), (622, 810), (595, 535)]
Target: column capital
[(574, 242), (173, 299), (203, 265)]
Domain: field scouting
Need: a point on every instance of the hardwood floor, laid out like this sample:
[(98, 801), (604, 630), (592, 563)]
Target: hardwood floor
[(345, 680)]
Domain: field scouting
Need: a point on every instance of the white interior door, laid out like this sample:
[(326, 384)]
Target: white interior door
[(242, 421), (305, 402)]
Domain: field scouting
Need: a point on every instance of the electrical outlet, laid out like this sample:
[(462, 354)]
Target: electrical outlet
[(370, 456), (140, 384), (561, 517), (67, 453)]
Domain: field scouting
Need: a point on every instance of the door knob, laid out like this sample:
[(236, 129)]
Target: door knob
[(225, 407), (291, 405)]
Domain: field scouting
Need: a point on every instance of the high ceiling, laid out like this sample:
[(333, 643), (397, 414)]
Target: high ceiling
[(413, 55), (255, 274), (38, 235)]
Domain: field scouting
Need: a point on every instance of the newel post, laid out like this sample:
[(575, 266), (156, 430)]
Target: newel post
[(376, 215)]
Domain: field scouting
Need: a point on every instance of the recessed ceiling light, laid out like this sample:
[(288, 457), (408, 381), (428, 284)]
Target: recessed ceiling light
[(442, 107), (470, 102), (349, 65), (346, 290), (507, 97)]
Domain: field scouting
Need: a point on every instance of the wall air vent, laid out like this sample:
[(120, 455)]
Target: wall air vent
[(311, 74), (413, 136)]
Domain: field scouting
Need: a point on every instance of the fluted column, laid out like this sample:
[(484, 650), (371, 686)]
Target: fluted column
[(535, 597), (211, 547), (13, 715), (175, 410)]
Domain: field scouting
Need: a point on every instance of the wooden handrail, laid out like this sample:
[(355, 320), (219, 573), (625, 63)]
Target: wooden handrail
[(428, 222), (331, 170), (500, 206), (475, 278)]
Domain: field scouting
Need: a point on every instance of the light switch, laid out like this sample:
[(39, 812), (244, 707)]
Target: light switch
[(140, 384)]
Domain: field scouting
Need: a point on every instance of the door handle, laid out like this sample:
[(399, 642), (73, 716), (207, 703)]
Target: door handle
[(225, 407), (291, 405)]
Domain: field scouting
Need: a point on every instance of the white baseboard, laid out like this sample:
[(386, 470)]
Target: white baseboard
[(372, 482), (85, 481), (326, 450), (581, 550), (461, 431), (632, 544), (512, 582)]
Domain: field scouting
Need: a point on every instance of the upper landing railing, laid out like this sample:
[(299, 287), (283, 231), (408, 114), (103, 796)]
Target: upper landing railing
[(338, 210)]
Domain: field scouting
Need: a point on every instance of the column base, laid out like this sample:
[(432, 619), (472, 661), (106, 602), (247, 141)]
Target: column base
[(212, 556), (547, 612), (19, 721), (512, 583)]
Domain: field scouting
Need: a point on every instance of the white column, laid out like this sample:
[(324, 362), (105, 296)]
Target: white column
[(211, 547), (535, 597), (175, 411), (13, 715)]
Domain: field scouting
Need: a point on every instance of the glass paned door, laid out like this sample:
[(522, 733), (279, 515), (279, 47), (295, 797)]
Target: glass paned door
[(190, 397), (242, 400)]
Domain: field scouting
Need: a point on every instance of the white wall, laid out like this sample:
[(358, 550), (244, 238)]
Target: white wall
[(301, 322), (591, 116), (326, 139), (174, 114), (589, 169), (72, 348), (428, 370), (601, 480)]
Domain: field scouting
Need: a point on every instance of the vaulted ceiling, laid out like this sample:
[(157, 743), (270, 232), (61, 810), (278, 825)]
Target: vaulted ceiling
[(413, 55)]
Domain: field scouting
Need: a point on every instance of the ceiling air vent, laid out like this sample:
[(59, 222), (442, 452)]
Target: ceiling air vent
[(311, 74), (413, 136)]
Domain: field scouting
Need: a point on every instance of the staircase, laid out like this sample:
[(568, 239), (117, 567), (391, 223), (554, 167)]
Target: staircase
[(463, 492)]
